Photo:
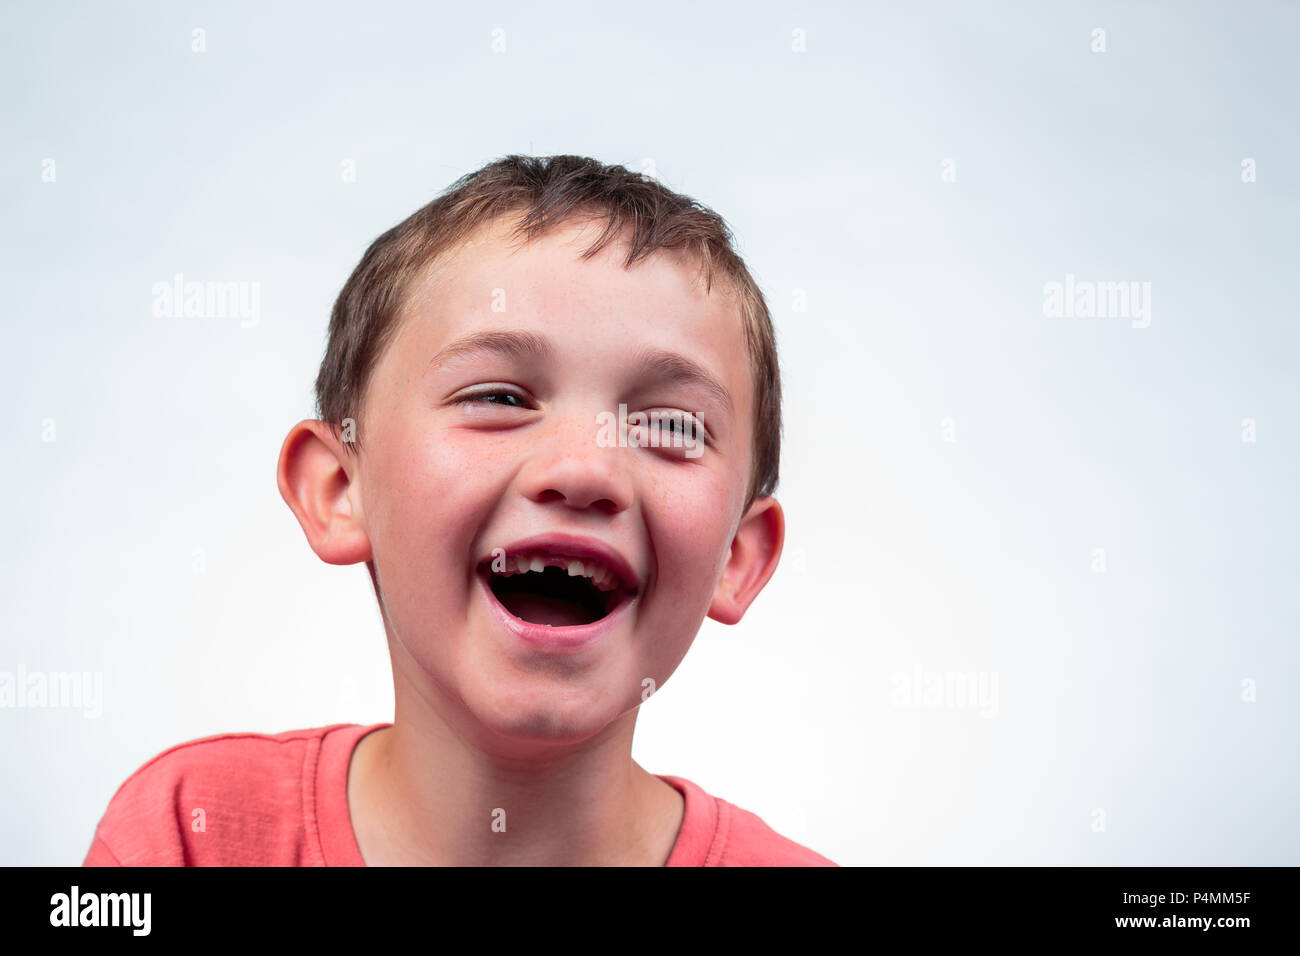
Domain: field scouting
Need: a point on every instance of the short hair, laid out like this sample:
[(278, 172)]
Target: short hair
[(545, 192)]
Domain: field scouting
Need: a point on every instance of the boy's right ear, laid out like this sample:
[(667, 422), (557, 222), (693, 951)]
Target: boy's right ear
[(315, 474)]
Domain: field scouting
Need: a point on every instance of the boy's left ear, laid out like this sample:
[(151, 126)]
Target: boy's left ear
[(755, 553)]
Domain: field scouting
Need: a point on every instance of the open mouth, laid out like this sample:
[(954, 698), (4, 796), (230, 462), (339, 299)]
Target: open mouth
[(555, 591)]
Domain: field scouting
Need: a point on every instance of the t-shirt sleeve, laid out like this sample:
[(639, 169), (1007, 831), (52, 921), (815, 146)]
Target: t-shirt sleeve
[(240, 799), (100, 854), (753, 843), (139, 827)]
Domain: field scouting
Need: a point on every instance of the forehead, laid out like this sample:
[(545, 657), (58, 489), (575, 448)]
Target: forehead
[(594, 312)]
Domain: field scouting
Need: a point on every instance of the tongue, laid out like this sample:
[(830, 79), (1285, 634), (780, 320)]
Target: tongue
[(543, 609)]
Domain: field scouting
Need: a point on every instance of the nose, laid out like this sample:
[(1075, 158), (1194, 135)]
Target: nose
[(569, 465)]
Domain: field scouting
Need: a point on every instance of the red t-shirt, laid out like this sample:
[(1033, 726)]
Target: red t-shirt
[(281, 800)]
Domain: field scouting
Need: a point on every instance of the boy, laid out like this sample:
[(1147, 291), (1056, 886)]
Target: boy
[(554, 447)]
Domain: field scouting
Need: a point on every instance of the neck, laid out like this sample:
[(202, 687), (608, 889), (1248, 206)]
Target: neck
[(434, 789)]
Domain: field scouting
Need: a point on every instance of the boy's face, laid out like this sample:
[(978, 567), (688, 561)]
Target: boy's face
[(440, 482)]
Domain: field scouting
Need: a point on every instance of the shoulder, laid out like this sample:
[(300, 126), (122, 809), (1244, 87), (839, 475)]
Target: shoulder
[(751, 842), (718, 833), (226, 799)]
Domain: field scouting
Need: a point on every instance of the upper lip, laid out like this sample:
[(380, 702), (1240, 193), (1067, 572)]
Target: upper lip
[(576, 546)]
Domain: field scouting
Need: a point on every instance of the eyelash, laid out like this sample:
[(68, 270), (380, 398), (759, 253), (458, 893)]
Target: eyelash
[(482, 396)]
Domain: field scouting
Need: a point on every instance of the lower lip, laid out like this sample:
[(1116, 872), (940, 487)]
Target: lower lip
[(554, 639)]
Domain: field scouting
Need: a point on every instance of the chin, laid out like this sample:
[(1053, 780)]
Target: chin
[(550, 710)]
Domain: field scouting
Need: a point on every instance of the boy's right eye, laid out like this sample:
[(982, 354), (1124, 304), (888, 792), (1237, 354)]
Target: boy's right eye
[(486, 397)]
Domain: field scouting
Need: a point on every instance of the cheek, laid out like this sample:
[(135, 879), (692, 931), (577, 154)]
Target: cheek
[(690, 525), (423, 497)]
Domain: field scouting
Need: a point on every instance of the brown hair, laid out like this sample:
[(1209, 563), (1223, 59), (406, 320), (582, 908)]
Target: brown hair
[(548, 191)]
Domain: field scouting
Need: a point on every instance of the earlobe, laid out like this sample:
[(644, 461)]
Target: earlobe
[(315, 484), (751, 562)]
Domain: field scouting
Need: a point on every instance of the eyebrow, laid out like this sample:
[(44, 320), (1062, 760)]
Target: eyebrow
[(656, 365), (671, 368), (509, 344)]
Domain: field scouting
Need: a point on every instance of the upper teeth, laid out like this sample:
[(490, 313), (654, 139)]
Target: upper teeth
[(602, 577)]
